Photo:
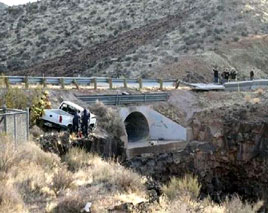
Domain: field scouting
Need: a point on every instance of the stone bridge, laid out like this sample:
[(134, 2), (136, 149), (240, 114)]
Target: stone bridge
[(148, 131)]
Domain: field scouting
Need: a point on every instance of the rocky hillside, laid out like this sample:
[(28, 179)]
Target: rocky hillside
[(2, 6), (132, 38)]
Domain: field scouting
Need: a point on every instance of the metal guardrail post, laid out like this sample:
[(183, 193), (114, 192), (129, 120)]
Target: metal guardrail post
[(62, 83), (125, 83), (160, 84), (26, 82), (110, 81), (44, 82), (140, 83), (75, 84), (95, 84)]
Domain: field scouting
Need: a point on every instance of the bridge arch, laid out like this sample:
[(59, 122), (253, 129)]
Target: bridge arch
[(137, 127)]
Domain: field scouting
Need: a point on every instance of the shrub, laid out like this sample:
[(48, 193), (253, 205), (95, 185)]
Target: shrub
[(108, 119), (62, 180), (10, 200), (33, 153), (186, 186), (116, 175), (235, 39), (7, 153), (18, 99), (78, 158), (72, 204), (244, 34), (235, 204), (14, 98)]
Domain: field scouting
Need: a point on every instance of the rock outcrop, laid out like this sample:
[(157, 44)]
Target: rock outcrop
[(229, 153)]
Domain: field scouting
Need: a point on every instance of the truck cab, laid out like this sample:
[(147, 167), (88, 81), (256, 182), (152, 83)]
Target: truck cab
[(63, 116), (71, 108)]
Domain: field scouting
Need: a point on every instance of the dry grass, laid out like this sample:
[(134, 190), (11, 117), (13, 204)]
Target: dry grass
[(7, 153), (62, 180), (107, 172), (186, 204), (33, 153), (181, 195), (10, 200), (108, 119), (186, 186), (72, 204), (78, 158), (34, 181)]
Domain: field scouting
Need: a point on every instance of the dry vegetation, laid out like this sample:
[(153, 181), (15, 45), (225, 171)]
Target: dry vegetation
[(108, 119), (34, 181)]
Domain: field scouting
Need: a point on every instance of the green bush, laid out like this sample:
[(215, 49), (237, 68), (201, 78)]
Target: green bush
[(14, 98)]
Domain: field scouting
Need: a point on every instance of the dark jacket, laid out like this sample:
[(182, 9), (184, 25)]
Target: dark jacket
[(85, 117), (76, 119)]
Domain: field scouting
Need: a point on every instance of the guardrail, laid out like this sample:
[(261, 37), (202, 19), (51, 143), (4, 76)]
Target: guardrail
[(246, 85), (111, 83), (124, 99), (88, 81)]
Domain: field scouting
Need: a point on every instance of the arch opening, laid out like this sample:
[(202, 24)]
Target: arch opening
[(137, 127)]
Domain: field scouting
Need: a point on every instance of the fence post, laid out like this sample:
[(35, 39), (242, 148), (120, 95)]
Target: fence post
[(160, 84), (95, 83), (125, 83), (15, 129), (27, 122), (140, 83), (26, 82), (5, 118), (110, 81)]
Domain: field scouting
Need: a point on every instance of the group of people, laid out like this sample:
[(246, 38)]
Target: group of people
[(81, 121), (227, 75)]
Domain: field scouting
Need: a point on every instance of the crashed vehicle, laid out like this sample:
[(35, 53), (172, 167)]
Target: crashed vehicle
[(63, 116)]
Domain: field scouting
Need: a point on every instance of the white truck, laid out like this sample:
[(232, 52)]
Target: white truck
[(63, 116)]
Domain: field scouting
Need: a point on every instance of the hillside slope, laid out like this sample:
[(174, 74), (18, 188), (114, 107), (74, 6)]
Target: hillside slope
[(2, 6), (170, 39)]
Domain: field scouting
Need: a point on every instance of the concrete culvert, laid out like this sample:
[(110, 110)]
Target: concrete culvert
[(137, 127)]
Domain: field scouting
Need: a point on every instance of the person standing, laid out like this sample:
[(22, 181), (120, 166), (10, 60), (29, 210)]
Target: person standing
[(76, 120), (85, 120), (216, 75), (251, 75)]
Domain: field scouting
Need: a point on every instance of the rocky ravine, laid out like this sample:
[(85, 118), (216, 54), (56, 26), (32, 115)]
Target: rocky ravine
[(229, 153), (178, 38)]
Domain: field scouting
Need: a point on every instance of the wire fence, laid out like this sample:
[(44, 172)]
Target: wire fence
[(15, 123)]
